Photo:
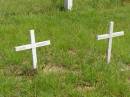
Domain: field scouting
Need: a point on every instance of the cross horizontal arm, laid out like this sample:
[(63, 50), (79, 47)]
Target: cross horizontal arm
[(29, 46), (105, 36), (23, 47), (118, 34), (44, 43)]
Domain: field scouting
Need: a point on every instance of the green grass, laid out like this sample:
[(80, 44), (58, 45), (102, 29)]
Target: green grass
[(73, 47)]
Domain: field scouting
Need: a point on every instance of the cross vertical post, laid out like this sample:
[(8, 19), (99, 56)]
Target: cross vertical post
[(110, 42), (68, 4), (34, 53)]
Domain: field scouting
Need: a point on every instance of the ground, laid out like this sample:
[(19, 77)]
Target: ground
[(74, 65)]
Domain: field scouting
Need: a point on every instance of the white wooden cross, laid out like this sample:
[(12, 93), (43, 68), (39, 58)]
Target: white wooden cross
[(33, 46), (109, 36), (68, 4)]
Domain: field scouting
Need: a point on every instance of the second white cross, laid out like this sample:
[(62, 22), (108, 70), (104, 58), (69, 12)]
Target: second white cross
[(109, 36)]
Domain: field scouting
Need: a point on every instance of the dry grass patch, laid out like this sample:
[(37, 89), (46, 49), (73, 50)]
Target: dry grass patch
[(85, 87), (60, 69), (54, 69), (126, 68), (15, 70), (72, 51), (12, 70)]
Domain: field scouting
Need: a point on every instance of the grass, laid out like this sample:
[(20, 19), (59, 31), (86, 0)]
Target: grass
[(74, 49)]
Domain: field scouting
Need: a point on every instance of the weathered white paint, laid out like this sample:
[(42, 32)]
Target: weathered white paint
[(34, 53), (33, 46), (110, 42), (105, 36), (109, 36), (29, 46), (68, 4)]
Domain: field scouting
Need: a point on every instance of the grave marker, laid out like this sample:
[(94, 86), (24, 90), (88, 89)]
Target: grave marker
[(109, 36), (68, 4), (33, 46)]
